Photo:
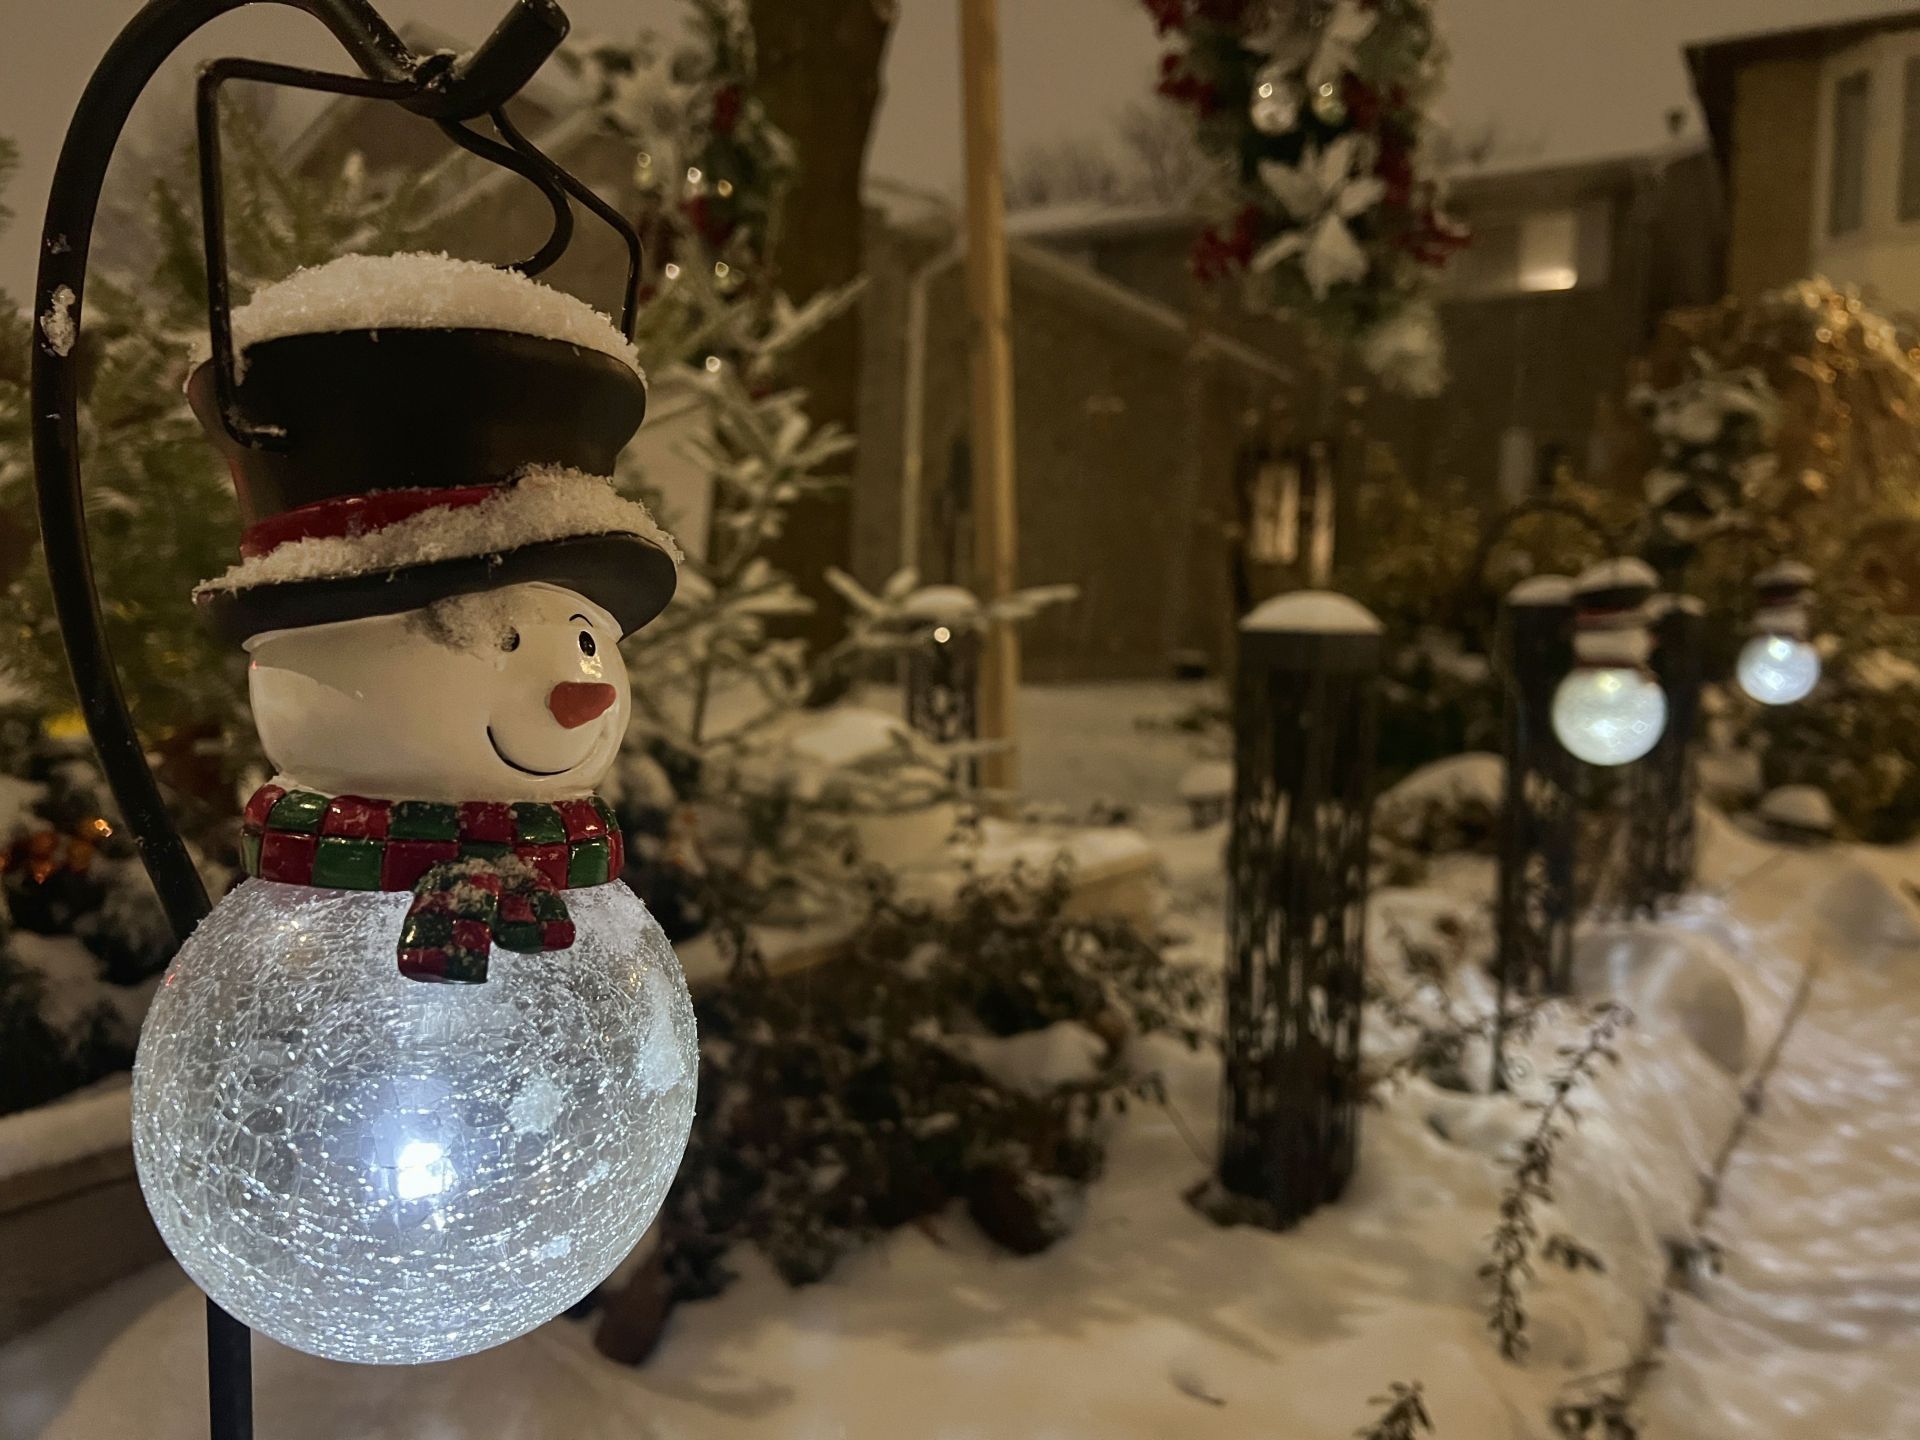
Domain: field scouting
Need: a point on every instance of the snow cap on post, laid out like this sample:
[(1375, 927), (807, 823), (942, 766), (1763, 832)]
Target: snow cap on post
[(1542, 590), (409, 398), (1311, 629)]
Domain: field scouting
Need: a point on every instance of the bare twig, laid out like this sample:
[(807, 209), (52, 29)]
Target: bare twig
[(1513, 1240), (1405, 1417)]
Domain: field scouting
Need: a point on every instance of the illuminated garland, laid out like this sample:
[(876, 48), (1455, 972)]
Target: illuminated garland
[(1318, 113), (708, 161)]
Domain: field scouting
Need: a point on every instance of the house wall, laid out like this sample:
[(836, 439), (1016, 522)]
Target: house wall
[(1547, 369), (1882, 257), (1126, 455), (1771, 165)]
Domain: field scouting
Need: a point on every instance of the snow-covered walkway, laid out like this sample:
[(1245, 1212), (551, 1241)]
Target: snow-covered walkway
[(1813, 1328)]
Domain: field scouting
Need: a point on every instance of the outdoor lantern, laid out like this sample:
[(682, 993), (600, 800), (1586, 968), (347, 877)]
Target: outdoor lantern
[(1610, 710), (421, 1081), (1779, 665)]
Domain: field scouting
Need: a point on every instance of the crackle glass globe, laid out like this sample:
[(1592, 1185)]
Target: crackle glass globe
[(1778, 669), (1609, 715), (373, 1169)]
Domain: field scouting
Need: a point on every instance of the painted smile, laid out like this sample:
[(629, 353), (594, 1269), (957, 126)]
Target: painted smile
[(528, 769)]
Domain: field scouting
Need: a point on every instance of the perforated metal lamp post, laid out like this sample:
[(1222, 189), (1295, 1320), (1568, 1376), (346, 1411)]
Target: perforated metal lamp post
[(1665, 787), (943, 663), (1540, 811), (1305, 716), (452, 93)]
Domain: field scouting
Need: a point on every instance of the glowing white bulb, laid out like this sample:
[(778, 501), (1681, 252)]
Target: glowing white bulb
[(1778, 669), (673, 271), (713, 364), (377, 1170), (693, 174), (941, 634), (1609, 715)]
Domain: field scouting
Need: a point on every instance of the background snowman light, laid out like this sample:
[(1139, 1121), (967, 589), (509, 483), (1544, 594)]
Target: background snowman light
[(421, 1081), (1609, 709)]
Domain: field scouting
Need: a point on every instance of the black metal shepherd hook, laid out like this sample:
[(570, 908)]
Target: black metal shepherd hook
[(450, 92)]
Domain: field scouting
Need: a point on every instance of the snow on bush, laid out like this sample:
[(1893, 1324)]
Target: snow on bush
[(1452, 804)]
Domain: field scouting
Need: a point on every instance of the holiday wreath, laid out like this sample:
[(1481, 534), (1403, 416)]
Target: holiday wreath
[(1330, 208)]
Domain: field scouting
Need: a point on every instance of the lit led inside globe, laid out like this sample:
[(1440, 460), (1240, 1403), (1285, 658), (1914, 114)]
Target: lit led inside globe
[(372, 1169), (1609, 715), (1778, 669)]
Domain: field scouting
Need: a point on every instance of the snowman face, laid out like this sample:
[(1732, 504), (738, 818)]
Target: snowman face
[(518, 694)]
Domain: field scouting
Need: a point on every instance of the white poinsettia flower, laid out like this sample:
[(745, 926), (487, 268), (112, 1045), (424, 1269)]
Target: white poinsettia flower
[(1336, 178), (1346, 26), (1332, 257), (1327, 253), (1324, 190)]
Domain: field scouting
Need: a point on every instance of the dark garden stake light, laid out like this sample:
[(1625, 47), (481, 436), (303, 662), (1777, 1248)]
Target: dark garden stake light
[(1779, 665), (1539, 808), (943, 672), (1610, 710), (421, 1081), (1663, 793), (1305, 712)]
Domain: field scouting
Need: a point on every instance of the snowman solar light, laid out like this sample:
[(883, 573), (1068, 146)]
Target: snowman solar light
[(1779, 665), (1610, 710), (420, 1082)]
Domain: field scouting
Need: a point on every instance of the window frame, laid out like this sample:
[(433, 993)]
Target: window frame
[(1858, 72)]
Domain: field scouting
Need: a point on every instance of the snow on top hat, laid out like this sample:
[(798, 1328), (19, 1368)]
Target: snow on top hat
[(445, 427)]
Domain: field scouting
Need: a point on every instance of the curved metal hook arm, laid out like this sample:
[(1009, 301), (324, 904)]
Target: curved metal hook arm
[(533, 169), (213, 216), (594, 201)]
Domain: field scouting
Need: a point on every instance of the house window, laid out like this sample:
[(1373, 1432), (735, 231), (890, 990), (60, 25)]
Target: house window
[(1292, 521), (1549, 251), (1910, 143), (1275, 537), (1847, 167), (1563, 247)]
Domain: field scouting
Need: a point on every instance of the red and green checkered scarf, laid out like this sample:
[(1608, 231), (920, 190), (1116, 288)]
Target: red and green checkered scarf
[(482, 873)]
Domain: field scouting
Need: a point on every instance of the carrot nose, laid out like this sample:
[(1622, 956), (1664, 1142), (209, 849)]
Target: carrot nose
[(575, 702)]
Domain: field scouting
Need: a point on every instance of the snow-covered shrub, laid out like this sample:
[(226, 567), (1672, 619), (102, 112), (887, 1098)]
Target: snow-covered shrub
[(1450, 805), (1853, 737), (81, 937), (966, 1052)]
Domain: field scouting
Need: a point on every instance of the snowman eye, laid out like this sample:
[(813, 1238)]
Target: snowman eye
[(510, 641), (587, 646)]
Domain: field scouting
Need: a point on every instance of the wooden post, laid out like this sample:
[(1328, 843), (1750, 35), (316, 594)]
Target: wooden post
[(996, 535)]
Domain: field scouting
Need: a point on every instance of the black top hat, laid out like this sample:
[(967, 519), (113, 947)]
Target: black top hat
[(379, 425)]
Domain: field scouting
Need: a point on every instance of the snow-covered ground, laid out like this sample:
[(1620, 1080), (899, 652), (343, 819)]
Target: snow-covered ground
[(1149, 1321), (1813, 1328)]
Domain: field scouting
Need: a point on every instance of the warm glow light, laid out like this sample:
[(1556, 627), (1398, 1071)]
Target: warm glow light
[(372, 1169), (1609, 715), (1778, 669), (942, 634), (1550, 277)]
